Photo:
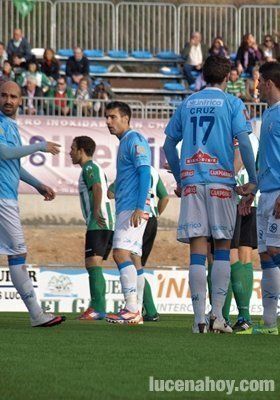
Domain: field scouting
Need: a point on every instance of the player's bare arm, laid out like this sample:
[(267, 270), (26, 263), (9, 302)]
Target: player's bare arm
[(97, 198)]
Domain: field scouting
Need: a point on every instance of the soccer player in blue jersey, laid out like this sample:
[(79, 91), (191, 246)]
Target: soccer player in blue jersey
[(11, 235), (207, 123), (132, 205), (268, 212)]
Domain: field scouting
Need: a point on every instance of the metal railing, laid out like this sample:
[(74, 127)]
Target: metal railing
[(37, 26), (146, 26), (210, 21), (74, 108), (131, 25), (96, 108)]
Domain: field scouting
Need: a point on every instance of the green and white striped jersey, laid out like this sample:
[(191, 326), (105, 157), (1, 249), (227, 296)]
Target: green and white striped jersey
[(92, 173), (157, 191)]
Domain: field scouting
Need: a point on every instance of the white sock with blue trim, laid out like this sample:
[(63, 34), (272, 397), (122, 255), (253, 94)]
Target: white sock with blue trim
[(140, 288), (220, 277), (128, 278), (197, 282), (270, 291), (23, 284)]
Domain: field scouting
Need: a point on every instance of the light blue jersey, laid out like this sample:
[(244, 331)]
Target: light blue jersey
[(134, 152), (9, 169), (207, 123), (269, 150)]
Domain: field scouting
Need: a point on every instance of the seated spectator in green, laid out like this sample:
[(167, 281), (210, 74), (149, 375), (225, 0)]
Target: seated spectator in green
[(7, 73), (32, 94), (236, 84), (61, 99), (42, 80), (83, 96)]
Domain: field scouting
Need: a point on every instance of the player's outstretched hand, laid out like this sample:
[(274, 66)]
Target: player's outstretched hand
[(178, 191), (110, 194), (244, 207), (136, 217), (53, 148), (246, 189), (276, 210), (47, 192)]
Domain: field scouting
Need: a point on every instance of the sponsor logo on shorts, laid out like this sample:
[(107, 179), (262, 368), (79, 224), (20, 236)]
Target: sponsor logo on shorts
[(219, 228), (221, 173), (201, 157), (193, 225), (273, 228), (189, 190), (221, 193), (187, 172)]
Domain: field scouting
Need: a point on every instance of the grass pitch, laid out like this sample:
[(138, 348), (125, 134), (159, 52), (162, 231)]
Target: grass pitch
[(85, 361)]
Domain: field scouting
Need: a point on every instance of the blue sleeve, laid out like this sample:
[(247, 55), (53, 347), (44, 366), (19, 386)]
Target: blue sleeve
[(29, 179), (144, 172), (247, 156), (10, 153), (174, 128), (240, 118), (171, 154), (139, 149)]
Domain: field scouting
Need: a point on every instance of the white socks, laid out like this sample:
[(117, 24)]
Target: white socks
[(197, 282), (220, 277), (23, 284), (128, 277), (270, 293)]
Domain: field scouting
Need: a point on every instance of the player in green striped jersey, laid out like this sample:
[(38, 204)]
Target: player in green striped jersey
[(97, 212)]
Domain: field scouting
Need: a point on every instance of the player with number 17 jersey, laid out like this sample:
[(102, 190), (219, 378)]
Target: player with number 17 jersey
[(207, 123)]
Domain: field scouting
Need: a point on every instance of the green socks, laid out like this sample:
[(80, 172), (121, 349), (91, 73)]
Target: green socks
[(148, 301), (97, 287), (226, 308), (242, 285)]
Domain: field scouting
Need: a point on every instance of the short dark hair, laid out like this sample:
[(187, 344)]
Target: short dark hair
[(215, 69), (86, 143), (123, 108), (234, 69), (271, 71)]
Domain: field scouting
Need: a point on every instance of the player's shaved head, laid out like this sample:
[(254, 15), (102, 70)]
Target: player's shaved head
[(10, 86), (10, 98)]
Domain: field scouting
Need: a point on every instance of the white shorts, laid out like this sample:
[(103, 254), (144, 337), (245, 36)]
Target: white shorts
[(207, 210), (128, 237), (11, 234), (267, 226)]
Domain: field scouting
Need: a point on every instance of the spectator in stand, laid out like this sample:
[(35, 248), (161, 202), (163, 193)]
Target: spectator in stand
[(236, 84), (7, 73), (50, 66), (30, 93), (42, 80), (270, 49), (83, 96), (77, 67), (194, 53), (252, 92), (218, 48), (62, 103), (102, 91), (19, 49), (3, 54), (248, 54)]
